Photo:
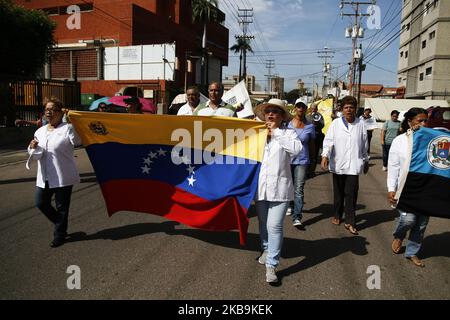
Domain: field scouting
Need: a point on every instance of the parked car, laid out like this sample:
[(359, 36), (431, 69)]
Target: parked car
[(438, 117)]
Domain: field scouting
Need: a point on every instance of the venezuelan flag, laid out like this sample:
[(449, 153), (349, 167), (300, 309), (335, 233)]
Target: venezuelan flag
[(425, 189), (199, 171)]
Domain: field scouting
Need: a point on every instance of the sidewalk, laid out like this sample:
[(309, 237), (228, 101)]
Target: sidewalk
[(12, 154)]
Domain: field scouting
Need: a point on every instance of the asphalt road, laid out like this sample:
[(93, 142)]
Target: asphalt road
[(141, 256)]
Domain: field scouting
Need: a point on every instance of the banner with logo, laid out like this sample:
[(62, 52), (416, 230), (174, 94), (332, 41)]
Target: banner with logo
[(239, 95), (426, 189)]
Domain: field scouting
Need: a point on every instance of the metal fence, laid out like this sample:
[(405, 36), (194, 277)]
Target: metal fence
[(23, 98)]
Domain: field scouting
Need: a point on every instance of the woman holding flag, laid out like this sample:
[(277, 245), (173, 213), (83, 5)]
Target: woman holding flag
[(275, 187), (415, 118)]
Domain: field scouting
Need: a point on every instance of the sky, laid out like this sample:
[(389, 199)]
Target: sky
[(290, 32)]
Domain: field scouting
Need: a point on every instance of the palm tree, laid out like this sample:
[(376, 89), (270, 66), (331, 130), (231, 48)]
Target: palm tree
[(242, 46), (204, 11)]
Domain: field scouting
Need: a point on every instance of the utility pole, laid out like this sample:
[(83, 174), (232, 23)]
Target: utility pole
[(270, 64), (355, 32), (246, 17), (325, 54)]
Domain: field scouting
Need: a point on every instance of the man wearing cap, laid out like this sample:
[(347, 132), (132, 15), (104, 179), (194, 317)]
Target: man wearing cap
[(370, 124), (133, 105), (275, 187), (215, 106), (345, 152)]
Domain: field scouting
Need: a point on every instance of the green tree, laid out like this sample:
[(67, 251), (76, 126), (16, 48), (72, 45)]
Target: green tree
[(241, 46), (27, 39), (204, 11)]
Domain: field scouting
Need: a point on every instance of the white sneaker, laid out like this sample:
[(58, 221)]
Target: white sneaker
[(289, 211), (296, 223), (271, 276), (384, 169), (262, 258)]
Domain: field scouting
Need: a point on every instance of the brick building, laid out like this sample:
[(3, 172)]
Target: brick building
[(80, 52)]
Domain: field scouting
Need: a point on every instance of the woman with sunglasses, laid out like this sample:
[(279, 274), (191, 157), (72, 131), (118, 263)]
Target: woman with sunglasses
[(300, 163), (415, 118), (275, 187), (53, 147)]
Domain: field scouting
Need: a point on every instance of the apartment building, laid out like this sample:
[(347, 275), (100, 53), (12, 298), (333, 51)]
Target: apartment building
[(424, 55)]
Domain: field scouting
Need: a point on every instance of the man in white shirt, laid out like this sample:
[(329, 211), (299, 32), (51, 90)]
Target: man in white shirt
[(215, 106), (345, 152), (370, 123), (193, 100)]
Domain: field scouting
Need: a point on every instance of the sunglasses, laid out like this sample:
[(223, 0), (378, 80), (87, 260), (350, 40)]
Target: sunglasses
[(272, 110)]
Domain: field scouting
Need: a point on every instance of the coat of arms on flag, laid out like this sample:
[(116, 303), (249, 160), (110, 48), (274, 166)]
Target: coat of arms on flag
[(439, 153)]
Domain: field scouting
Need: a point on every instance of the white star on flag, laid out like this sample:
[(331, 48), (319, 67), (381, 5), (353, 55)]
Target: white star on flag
[(191, 170), (145, 169), (147, 161), (191, 181), (162, 152), (152, 155)]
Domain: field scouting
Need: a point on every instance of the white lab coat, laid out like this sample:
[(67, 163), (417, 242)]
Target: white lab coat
[(54, 154), (275, 179), (345, 148), (397, 157)]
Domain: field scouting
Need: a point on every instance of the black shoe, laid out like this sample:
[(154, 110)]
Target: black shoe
[(57, 242)]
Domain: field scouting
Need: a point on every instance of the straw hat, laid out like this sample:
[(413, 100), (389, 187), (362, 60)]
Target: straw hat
[(259, 110)]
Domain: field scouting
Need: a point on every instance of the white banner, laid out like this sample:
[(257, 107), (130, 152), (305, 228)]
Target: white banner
[(239, 94)]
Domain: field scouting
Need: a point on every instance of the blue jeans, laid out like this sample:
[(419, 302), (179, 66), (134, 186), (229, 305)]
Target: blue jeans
[(271, 217), (416, 224), (59, 216), (299, 178)]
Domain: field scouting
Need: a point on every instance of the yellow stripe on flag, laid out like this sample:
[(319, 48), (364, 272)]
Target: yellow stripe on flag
[(222, 135)]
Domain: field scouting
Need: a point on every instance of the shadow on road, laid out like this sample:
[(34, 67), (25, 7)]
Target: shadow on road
[(371, 219), (313, 251), (325, 212), (436, 245), (318, 251), (85, 178)]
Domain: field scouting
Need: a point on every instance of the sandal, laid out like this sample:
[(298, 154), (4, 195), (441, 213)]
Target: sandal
[(396, 245), (417, 262), (336, 221), (351, 229)]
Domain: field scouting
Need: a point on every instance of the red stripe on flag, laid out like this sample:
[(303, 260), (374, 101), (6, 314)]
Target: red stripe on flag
[(176, 204)]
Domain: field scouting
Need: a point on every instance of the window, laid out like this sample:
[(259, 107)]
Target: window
[(401, 54), (399, 80), (424, 44), (432, 35), (406, 54), (429, 71), (407, 26), (421, 77)]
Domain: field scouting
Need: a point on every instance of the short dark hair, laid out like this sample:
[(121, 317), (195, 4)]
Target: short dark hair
[(195, 88), (349, 100), (411, 114), (394, 112)]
